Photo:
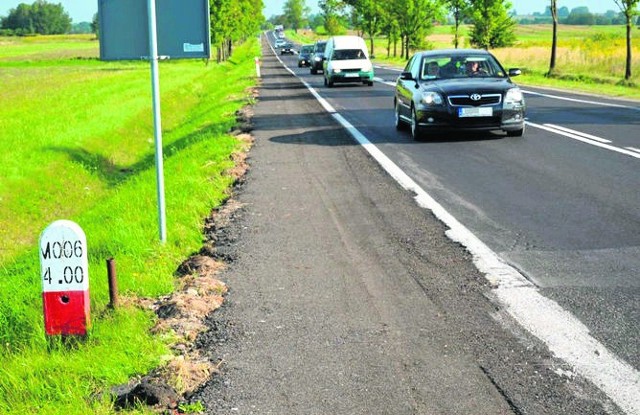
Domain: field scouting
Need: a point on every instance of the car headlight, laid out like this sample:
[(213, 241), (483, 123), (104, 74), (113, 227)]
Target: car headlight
[(317, 59), (514, 96), (336, 70), (431, 98)]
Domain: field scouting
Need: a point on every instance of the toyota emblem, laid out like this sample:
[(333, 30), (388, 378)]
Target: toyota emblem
[(475, 97)]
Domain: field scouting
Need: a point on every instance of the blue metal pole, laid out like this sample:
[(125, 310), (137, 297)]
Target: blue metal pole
[(157, 119)]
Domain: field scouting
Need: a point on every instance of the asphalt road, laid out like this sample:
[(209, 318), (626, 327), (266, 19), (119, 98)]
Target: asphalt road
[(347, 297), (560, 205)]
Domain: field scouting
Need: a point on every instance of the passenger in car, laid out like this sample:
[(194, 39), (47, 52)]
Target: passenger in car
[(432, 70)]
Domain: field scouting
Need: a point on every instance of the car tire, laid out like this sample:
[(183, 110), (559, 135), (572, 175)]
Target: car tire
[(328, 82), (370, 83), (416, 131), (400, 125), (313, 71), (516, 133)]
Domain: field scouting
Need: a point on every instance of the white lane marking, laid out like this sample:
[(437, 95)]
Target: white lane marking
[(585, 135), (583, 101), (382, 81), (585, 140), (637, 150), (388, 68), (564, 334)]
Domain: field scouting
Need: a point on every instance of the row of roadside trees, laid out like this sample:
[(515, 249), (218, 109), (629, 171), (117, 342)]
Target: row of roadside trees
[(408, 22)]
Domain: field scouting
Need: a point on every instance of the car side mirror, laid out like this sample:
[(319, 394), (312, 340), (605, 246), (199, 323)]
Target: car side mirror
[(406, 76), (515, 72)]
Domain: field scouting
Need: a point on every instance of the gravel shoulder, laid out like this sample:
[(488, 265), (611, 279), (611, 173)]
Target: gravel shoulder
[(345, 297)]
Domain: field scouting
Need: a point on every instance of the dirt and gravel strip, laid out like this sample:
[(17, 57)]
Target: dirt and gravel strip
[(346, 298)]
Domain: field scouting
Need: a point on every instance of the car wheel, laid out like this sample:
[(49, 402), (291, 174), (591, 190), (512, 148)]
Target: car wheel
[(313, 71), (416, 132), (370, 83), (516, 133), (328, 82), (400, 125)]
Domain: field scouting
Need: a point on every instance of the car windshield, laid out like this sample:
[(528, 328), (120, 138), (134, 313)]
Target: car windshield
[(346, 54), (460, 66), (306, 49)]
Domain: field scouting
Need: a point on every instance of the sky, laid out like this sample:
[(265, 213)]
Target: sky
[(83, 10)]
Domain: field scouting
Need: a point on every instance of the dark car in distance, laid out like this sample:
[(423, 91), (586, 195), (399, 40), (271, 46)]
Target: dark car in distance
[(287, 48), (317, 57), (458, 90), (304, 56)]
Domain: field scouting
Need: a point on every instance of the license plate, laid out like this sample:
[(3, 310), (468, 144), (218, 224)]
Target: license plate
[(351, 75), (475, 112)]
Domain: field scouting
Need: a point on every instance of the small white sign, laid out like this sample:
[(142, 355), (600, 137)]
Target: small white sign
[(63, 257), (193, 48)]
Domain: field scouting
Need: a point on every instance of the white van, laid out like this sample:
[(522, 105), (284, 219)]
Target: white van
[(347, 60)]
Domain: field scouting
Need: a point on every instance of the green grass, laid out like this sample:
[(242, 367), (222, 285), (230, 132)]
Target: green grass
[(76, 142)]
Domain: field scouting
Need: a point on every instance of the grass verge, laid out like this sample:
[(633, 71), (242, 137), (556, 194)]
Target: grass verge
[(76, 142)]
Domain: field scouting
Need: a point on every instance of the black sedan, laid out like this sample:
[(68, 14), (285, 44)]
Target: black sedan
[(287, 48), (458, 90), (304, 57)]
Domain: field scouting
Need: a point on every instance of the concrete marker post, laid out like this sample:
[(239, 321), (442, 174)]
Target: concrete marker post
[(65, 279)]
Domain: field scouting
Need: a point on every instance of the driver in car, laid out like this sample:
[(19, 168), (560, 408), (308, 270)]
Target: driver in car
[(473, 69)]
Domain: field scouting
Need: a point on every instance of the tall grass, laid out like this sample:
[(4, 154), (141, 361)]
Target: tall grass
[(76, 142)]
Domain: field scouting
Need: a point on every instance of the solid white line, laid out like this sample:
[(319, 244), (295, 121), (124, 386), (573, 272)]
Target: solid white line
[(564, 334), (586, 140), (382, 81), (585, 135), (637, 150), (583, 101)]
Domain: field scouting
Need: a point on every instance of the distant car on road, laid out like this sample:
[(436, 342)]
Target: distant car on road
[(287, 49), (304, 56), (458, 90), (317, 57), (280, 43)]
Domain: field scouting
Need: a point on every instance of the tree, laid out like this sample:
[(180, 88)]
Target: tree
[(415, 22), (459, 10), (554, 39), (294, 13), (628, 8), (332, 13), (41, 17), (390, 26), (95, 24), (368, 15), (580, 16), (492, 25)]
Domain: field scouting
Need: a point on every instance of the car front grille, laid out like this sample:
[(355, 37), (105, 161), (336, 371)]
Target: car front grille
[(466, 101)]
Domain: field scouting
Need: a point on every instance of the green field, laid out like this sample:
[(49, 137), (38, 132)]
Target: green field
[(589, 58), (76, 142)]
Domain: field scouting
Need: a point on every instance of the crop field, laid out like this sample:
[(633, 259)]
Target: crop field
[(76, 142)]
